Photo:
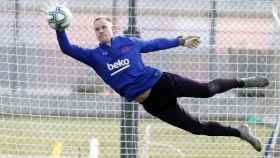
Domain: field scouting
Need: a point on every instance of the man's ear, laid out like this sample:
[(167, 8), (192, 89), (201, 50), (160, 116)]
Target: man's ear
[(115, 29)]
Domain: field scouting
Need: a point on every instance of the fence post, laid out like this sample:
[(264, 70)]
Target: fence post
[(129, 117)]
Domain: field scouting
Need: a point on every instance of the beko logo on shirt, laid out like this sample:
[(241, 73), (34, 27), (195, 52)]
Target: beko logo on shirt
[(119, 65)]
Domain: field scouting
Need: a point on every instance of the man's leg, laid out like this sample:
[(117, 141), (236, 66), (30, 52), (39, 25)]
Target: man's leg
[(162, 103), (185, 87), (176, 116)]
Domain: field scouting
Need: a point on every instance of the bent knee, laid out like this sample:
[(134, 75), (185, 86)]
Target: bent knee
[(213, 87)]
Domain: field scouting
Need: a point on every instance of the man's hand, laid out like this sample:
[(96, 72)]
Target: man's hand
[(190, 41), (59, 18)]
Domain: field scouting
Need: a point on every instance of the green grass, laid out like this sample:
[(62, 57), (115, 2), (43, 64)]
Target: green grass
[(23, 135)]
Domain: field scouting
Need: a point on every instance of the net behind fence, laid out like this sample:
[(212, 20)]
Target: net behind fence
[(52, 105)]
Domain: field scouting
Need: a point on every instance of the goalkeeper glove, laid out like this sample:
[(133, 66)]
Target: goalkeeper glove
[(59, 18), (190, 41)]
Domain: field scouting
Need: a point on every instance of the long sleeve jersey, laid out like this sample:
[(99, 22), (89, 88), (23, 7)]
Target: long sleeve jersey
[(120, 65)]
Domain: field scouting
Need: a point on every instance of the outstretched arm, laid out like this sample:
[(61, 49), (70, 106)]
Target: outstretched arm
[(165, 43), (59, 18), (156, 44), (74, 51)]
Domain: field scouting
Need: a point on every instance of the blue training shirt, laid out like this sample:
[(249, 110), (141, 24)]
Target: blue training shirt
[(120, 65)]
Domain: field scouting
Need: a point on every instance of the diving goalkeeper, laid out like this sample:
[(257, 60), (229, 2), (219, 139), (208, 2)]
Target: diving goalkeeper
[(117, 60)]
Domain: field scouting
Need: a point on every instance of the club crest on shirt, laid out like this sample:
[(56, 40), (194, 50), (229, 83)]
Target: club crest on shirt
[(104, 53), (125, 49)]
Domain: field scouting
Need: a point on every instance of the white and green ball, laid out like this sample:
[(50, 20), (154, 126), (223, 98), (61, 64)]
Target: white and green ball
[(59, 18)]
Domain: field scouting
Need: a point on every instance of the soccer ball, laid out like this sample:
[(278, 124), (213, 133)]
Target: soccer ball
[(59, 18)]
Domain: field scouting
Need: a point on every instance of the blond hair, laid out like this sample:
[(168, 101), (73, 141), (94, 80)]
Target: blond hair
[(102, 17)]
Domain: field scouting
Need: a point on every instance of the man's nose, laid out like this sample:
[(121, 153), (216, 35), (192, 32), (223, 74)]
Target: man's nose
[(101, 30)]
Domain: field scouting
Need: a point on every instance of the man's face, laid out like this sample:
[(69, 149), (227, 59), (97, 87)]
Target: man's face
[(103, 30)]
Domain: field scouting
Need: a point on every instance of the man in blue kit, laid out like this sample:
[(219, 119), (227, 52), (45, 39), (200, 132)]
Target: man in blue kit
[(118, 61)]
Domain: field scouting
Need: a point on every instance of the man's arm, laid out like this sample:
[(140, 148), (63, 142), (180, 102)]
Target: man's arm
[(156, 44), (74, 51), (59, 19), (165, 43)]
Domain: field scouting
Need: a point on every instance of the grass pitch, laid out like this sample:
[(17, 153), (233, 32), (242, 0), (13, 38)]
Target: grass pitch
[(28, 136)]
